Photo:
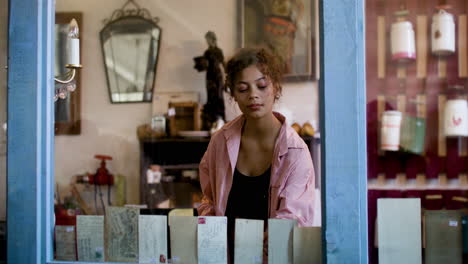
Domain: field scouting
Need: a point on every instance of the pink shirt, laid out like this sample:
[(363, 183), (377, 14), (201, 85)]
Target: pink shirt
[(292, 173)]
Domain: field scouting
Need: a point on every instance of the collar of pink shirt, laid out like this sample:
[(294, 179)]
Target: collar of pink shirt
[(233, 132)]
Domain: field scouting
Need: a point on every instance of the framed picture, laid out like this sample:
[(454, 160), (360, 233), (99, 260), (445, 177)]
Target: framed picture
[(288, 27)]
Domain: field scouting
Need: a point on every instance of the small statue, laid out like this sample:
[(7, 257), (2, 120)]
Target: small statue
[(156, 192), (213, 62), (217, 125), (153, 174)]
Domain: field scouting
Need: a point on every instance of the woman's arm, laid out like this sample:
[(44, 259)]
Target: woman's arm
[(206, 207), (297, 197)]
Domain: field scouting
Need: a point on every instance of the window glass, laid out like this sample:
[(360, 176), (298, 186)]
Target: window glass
[(122, 167), (417, 130)]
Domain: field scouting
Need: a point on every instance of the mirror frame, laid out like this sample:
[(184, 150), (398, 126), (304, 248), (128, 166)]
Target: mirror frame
[(118, 16), (72, 127)]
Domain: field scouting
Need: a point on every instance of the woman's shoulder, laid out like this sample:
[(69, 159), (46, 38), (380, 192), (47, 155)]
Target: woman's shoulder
[(289, 138), (297, 150), (293, 139), (232, 127), (229, 129), (217, 137)]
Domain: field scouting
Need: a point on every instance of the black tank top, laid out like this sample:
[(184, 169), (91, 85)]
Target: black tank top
[(248, 199)]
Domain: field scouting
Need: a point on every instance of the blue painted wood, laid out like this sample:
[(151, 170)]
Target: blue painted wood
[(30, 137), (30, 131), (48, 119), (343, 120), (83, 262)]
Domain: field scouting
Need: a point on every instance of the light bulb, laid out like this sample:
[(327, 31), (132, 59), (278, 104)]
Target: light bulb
[(74, 44), (74, 31)]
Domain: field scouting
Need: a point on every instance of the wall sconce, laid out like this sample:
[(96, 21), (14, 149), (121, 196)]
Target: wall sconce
[(63, 87)]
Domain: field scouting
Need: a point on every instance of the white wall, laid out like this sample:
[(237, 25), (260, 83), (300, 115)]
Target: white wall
[(111, 129), (3, 106)]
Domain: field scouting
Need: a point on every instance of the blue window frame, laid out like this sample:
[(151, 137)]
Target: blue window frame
[(31, 141)]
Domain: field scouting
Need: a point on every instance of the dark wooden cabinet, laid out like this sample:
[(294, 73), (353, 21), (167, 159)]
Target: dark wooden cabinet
[(175, 155)]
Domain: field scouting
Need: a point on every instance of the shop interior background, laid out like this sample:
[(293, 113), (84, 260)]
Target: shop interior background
[(111, 128)]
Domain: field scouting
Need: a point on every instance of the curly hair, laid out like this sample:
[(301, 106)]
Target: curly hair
[(267, 63)]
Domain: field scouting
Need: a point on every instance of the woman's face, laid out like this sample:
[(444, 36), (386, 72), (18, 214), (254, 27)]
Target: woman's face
[(254, 93)]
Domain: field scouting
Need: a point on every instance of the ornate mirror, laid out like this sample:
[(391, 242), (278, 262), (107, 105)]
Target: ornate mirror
[(67, 108), (130, 46)]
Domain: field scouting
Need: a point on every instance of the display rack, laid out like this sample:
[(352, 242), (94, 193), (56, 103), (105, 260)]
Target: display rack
[(417, 88)]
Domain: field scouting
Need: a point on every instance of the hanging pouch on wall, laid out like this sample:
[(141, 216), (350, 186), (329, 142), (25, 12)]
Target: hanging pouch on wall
[(456, 118), (456, 112), (413, 133), (443, 33), (456, 199), (390, 131), (433, 200), (403, 44)]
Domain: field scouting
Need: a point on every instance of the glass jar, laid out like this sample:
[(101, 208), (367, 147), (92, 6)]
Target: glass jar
[(456, 112)]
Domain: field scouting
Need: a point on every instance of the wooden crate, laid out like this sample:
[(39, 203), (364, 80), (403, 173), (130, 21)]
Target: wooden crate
[(186, 117)]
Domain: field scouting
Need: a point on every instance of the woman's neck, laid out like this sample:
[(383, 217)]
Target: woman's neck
[(262, 127)]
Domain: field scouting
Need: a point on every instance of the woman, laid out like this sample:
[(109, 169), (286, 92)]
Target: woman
[(256, 166)]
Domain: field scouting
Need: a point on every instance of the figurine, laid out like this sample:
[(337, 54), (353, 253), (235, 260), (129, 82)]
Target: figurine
[(217, 125), (213, 62), (156, 192), (153, 174)]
